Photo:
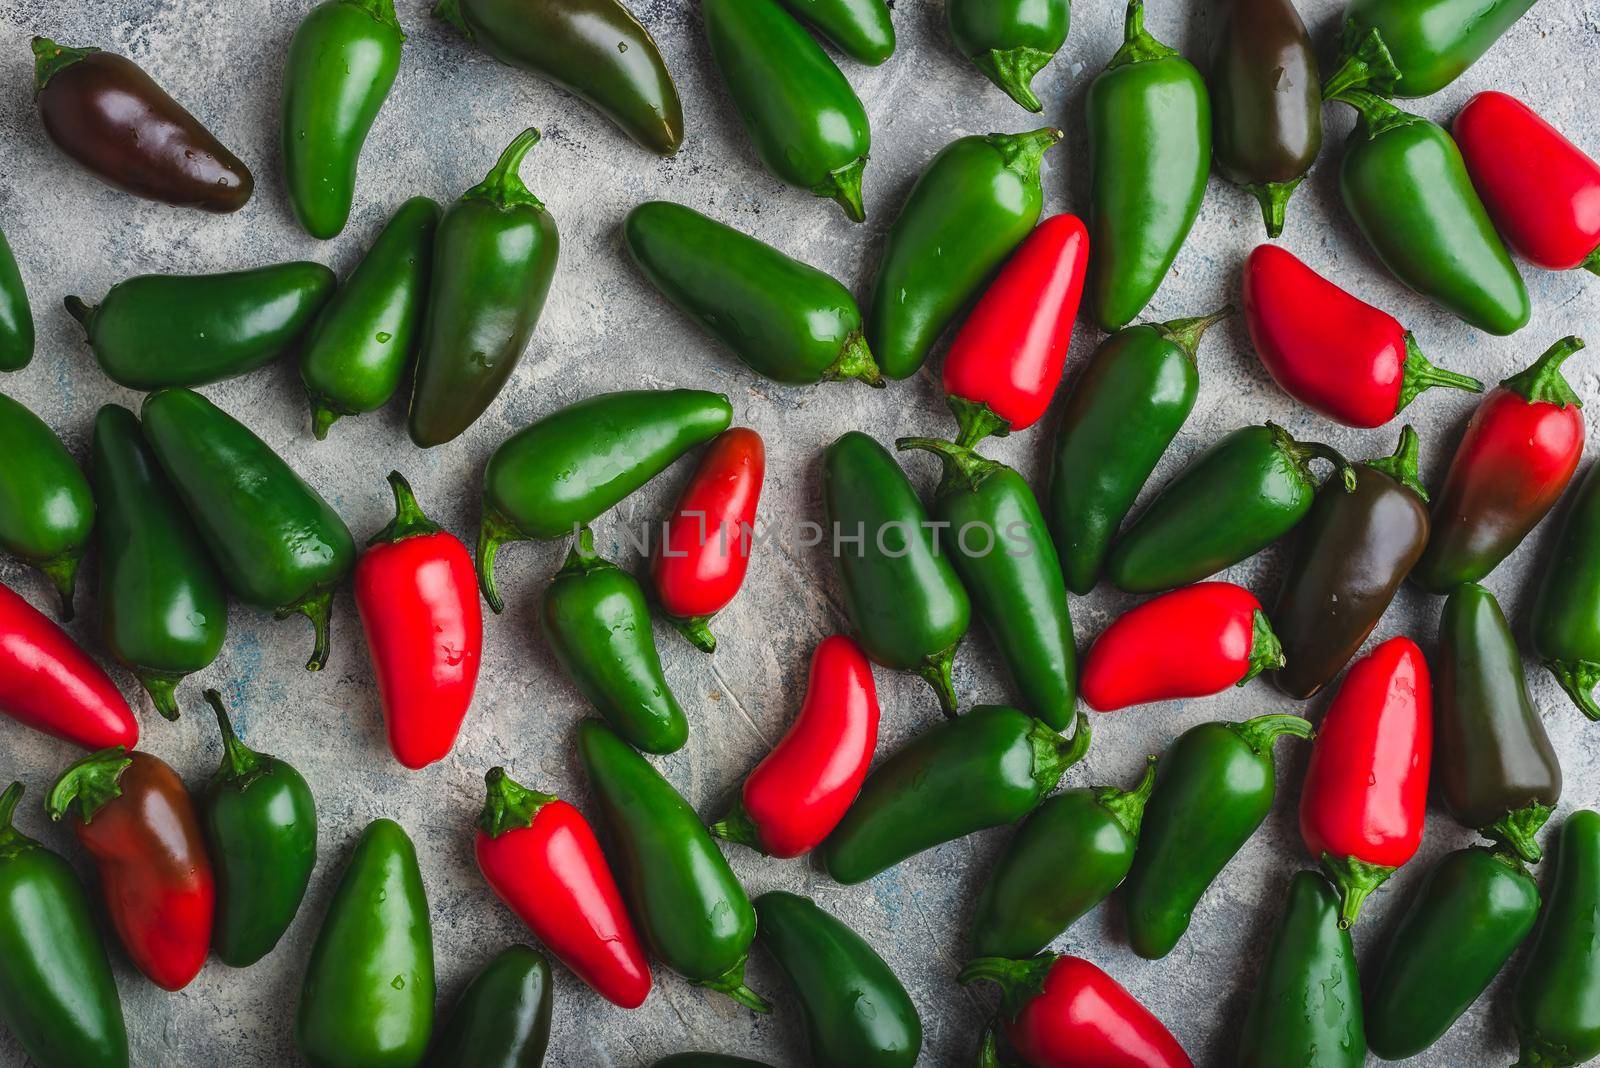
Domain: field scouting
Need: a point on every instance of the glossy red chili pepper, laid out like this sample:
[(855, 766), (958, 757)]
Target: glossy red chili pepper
[(48, 683), (131, 811), (542, 859), (1332, 352), (1064, 1012), (1005, 364), (1191, 642), (417, 593), (799, 793), (1542, 192), (1515, 460), (700, 561), (1367, 787)]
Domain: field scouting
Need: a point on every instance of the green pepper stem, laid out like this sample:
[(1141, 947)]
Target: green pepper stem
[(1542, 382), (1374, 115), (323, 416), (1020, 981), (1301, 453), (844, 187), (1186, 333), (582, 557), (1401, 465), (1365, 62), (1274, 200), (62, 571), (1592, 264), (1023, 153), (449, 13), (731, 983), (51, 59), (988, 1049), (1053, 753), (317, 607), (1261, 732), (79, 309), (1356, 880), (697, 631), (855, 361), (737, 826), (1578, 678), (503, 187), (409, 520), (382, 11), (12, 841), (938, 671), (509, 806), (975, 421), (1266, 652), (963, 468), (1013, 70), (162, 687), (494, 530), (239, 761), (1137, 44), (1536, 1053), (1127, 806), (1516, 830), (91, 782), (1422, 375)]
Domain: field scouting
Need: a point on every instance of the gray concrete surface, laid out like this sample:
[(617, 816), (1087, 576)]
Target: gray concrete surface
[(450, 113)]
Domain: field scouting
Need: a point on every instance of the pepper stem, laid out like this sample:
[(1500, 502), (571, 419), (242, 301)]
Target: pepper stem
[(1366, 63), (1515, 830), (696, 630), (1023, 153), (449, 13), (62, 571), (238, 760), (1421, 375), (1542, 382), (1592, 264), (855, 361), (409, 520), (91, 782), (1303, 452), (1186, 333), (1578, 678), (1137, 44), (938, 671), (12, 841), (1401, 465), (1374, 115), (503, 186), (731, 983), (1261, 732), (322, 417), (1274, 199), (1266, 652), (1356, 880), (1127, 806), (1020, 981), (976, 421), (582, 558), (51, 59), (1053, 753), (161, 686), (382, 11), (737, 826), (78, 309), (1013, 70), (989, 1049), (493, 531), (963, 468), (318, 608), (509, 806)]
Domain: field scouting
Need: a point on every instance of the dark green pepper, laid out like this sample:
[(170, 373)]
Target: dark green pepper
[(342, 62), (46, 509), (1351, 555), (502, 1019), (57, 995), (1002, 551), (784, 319), (369, 989), (1460, 926), (163, 607), (361, 344), (707, 1060), (1493, 762), (1555, 1003), (972, 206), (1414, 48), (857, 1013), (806, 123), (597, 622), (905, 604), (1010, 41), (261, 833), (1306, 1005), (1233, 500), (1405, 184), (161, 330), (861, 29), (990, 767), (16, 318), (1266, 99), (1565, 622), (278, 544), (1149, 122), (1126, 406), (494, 253), (594, 49), (565, 469), (1065, 859), (690, 907), (1214, 787)]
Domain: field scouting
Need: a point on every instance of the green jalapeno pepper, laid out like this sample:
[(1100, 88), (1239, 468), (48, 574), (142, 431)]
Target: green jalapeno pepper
[(494, 253), (163, 607), (1010, 41), (990, 767), (1565, 627), (785, 320), (1415, 48), (861, 29), (1213, 788), (856, 1011), (342, 62), (1003, 553), (1149, 122), (1126, 406), (278, 544), (562, 471), (691, 909), (594, 49), (1306, 1006), (971, 207), (1232, 501), (1460, 926), (162, 330), (1404, 183), (369, 989), (16, 318), (46, 509), (1065, 859), (359, 347), (905, 604), (805, 121), (1553, 1001), (502, 1019), (597, 622), (57, 995)]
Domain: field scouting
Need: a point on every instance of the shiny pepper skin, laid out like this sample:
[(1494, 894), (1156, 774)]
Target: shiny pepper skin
[(49, 683)]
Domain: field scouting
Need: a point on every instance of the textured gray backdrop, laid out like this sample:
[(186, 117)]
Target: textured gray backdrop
[(450, 113)]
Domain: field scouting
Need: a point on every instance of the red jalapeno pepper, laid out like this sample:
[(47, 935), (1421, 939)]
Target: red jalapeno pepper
[(700, 561), (50, 684), (1064, 1012), (133, 814), (417, 594), (1329, 350), (1367, 787), (1517, 456), (799, 793), (1192, 642), (541, 857), (1005, 364), (1542, 191)]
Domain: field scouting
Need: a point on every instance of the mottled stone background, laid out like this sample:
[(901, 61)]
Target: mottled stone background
[(451, 112)]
